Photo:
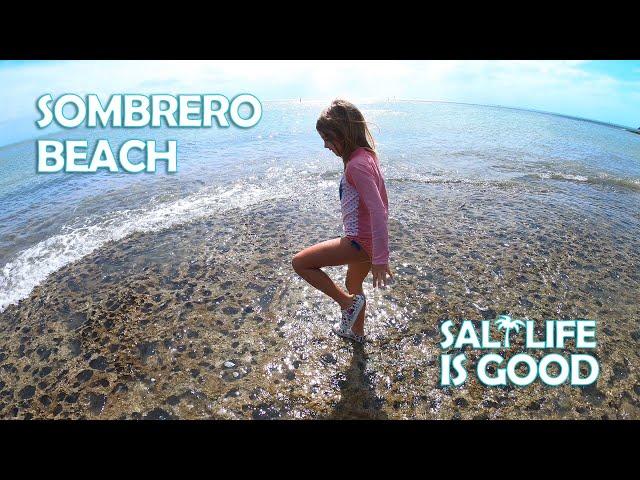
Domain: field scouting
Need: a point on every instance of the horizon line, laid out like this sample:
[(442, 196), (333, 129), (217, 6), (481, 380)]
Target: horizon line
[(565, 115), (388, 100)]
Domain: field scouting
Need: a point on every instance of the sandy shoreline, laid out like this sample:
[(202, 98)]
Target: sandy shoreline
[(207, 320)]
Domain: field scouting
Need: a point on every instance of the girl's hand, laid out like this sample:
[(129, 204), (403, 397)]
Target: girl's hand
[(379, 273)]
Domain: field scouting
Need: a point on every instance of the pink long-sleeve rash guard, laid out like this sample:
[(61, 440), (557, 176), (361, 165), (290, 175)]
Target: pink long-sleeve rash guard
[(364, 203)]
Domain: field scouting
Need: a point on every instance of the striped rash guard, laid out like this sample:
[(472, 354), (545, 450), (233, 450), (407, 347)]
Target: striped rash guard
[(364, 204)]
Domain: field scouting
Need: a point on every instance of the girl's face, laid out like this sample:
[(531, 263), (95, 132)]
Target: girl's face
[(334, 146)]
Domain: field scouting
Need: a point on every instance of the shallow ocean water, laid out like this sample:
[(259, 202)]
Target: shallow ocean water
[(182, 302)]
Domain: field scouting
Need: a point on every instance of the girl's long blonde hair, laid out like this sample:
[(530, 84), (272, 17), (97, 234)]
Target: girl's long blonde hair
[(342, 121)]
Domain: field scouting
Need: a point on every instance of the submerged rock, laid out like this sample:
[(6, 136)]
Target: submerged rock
[(159, 414)]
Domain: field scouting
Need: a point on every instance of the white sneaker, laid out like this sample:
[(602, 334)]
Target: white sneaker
[(349, 317)]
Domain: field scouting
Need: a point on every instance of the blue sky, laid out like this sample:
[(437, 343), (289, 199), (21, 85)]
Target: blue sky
[(601, 90)]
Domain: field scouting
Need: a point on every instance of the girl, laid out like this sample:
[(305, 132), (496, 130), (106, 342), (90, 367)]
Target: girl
[(365, 208)]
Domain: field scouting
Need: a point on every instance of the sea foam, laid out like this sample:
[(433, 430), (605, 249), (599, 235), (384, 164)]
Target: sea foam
[(19, 276)]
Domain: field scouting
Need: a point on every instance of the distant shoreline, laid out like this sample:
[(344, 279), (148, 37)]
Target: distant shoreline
[(522, 109)]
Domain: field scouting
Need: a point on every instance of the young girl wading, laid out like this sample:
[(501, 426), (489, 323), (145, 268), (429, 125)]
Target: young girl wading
[(365, 208)]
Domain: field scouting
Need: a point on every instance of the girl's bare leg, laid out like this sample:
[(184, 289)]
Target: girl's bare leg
[(356, 273), (338, 251)]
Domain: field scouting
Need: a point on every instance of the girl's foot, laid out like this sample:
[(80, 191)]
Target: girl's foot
[(338, 330), (349, 317)]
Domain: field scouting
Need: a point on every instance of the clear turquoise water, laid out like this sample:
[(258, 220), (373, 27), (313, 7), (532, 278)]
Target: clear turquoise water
[(50, 220)]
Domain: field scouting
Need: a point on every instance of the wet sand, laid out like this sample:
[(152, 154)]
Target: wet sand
[(208, 321)]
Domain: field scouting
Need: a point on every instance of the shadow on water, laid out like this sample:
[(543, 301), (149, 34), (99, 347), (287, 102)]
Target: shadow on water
[(358, 400)]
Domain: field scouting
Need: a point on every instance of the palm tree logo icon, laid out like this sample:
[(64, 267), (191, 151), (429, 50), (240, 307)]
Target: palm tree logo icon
[(506, 323)]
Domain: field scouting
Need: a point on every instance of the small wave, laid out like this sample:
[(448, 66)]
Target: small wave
[(632, 184), (444, 179), (426, 179), (33, 265), (564, 176), (602, 179)]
